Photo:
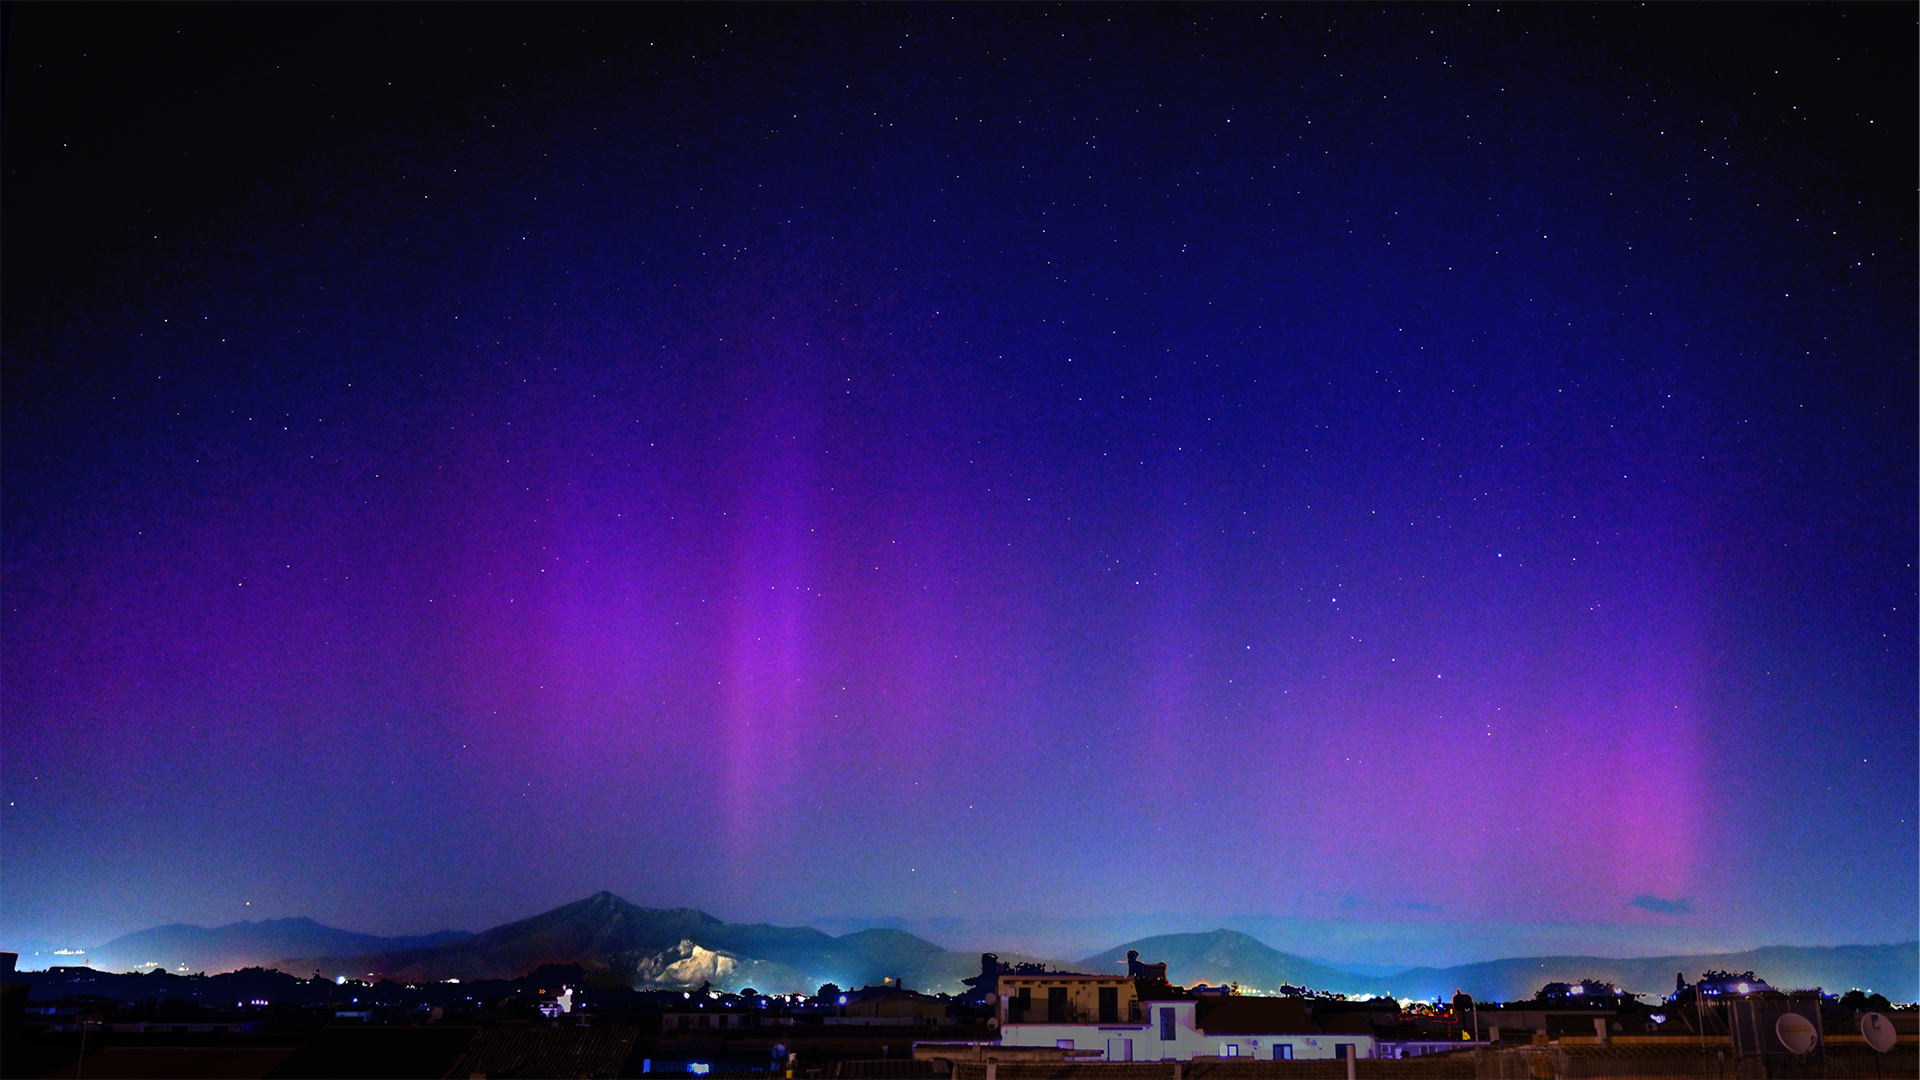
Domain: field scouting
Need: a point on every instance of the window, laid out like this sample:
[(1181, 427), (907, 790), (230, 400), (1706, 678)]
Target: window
[(1109, 1004), (1229, 1049), (1063, 1044), (1056, 1004), (1342, 1051), (1283, 1051), (1166, 1025), (1022, 1003)]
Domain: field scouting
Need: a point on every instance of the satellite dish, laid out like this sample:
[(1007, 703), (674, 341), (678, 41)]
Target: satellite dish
[(1796, 1032), (1878, 1031)]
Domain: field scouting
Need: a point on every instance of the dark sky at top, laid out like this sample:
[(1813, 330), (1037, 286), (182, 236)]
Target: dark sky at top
[(1421, 482)]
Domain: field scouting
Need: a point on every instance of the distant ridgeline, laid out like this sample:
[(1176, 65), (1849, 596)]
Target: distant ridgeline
[(266, 984), (613, 942), (183, 949), (616, 943)]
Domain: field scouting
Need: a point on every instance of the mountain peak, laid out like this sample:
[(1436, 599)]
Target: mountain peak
[(1222, 956), (614, 904)]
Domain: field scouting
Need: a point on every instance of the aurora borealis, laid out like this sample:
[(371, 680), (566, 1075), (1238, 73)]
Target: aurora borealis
[(1440, 472)]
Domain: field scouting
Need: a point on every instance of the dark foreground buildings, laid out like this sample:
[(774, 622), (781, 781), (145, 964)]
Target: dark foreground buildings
[(259, 1024)]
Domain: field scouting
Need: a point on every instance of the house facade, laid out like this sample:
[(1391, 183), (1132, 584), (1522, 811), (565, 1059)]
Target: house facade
[(1278, 1029), (1060, 997)]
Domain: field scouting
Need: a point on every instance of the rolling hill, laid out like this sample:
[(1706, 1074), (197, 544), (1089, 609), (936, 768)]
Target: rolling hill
[(1225, 956), (1893, 970), (1228, 956), (179, 947)]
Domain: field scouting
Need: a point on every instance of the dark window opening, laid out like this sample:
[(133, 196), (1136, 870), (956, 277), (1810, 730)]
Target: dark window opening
[(1109, 1004)]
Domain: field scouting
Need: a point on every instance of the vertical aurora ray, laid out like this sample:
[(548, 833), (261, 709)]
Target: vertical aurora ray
[(771, 697), (1450, 468)]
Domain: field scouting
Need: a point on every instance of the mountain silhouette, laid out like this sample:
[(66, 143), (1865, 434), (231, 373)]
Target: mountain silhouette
[(623, 943), (1890, 969), (1226, 956), (180, 947), (619, 943), (602, 933)]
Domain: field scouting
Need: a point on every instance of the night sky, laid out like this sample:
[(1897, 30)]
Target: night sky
[(1421, 483)]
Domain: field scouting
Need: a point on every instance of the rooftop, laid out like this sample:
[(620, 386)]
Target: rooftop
[(1255, 1016)]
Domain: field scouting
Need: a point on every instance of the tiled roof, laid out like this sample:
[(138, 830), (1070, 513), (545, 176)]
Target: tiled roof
[(1408, 1032), (1255, 1016), (1046, 1070), (886, 1069), (1348, 1023), (344, 1053), (182, 1062), (534, 1050), (1432, 1067)]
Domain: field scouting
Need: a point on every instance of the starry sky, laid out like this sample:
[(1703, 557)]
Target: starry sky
[(1430, 483)]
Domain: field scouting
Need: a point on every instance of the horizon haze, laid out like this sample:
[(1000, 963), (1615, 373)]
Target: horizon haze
[(684, 948)]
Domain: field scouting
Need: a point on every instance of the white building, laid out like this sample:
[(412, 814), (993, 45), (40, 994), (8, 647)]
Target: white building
[(1214, 1027)]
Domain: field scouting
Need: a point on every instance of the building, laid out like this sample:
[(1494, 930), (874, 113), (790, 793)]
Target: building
[(889, 1005), (1184, 1029), (1276, 1028), (1397, 1041), (705, 1013), (1065, 997), (1072, 1011)]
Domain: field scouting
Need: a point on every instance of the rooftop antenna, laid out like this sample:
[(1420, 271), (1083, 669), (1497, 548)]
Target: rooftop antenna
[(1795, 1033), (1878, 1031), (1700, 1010)]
